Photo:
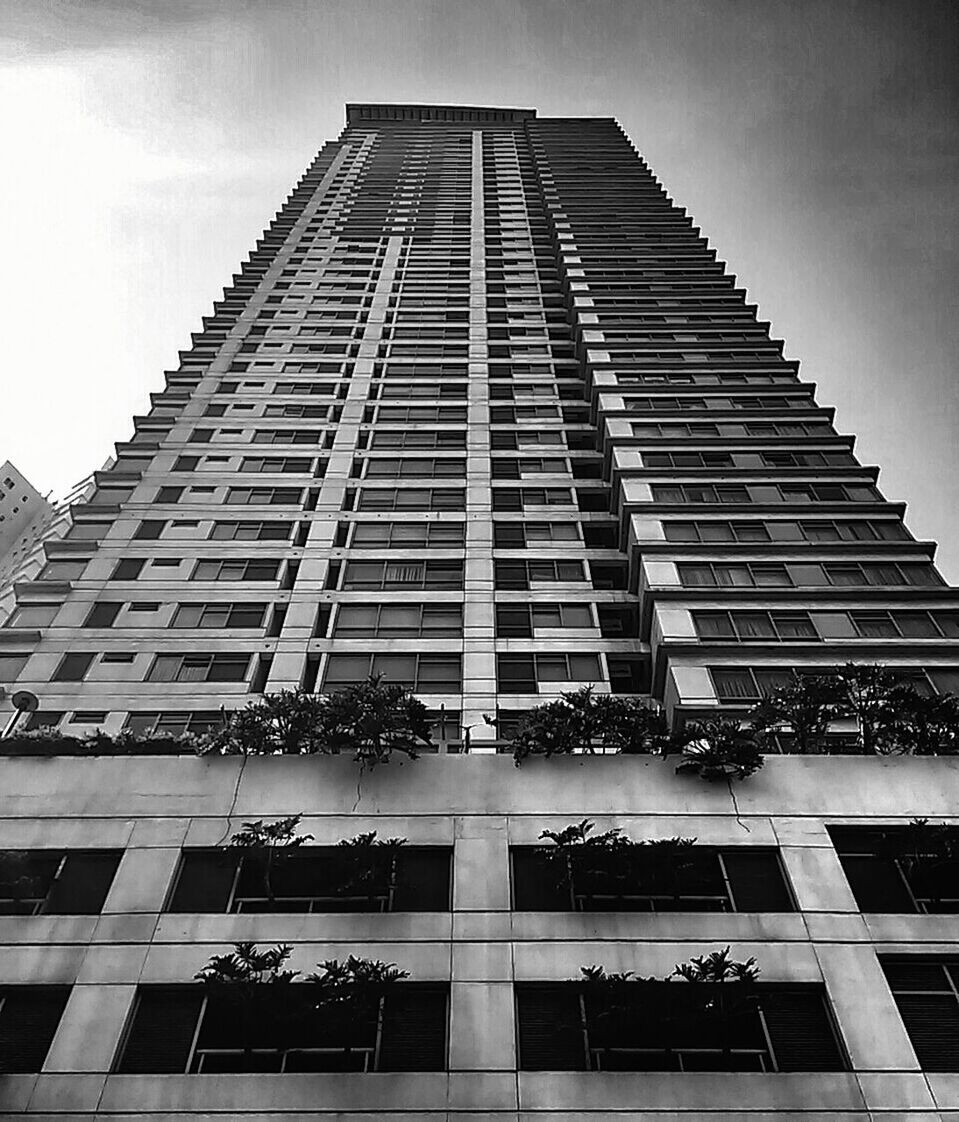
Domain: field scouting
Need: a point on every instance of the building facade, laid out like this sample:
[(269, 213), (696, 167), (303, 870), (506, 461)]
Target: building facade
[(23, 550), (481, 413)]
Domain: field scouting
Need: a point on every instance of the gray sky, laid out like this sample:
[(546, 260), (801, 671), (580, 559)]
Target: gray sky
[(148, 142)]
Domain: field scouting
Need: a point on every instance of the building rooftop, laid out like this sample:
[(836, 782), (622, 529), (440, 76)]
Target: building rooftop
[(357, 112)]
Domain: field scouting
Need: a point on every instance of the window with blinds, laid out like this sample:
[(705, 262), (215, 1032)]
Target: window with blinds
[(318, 879), (29, 1016), (691, 879), (926, 991), (193, 1030), (672, 1026)]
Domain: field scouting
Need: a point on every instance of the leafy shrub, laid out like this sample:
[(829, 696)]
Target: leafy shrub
[(372, 720)]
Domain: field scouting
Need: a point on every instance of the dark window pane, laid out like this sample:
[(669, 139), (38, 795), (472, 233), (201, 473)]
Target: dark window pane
[(29, 1016), (537, 883), (801, 1030), (549, 1029), (414, 1029), (83, 884), (204, 882), (161, 1033), (422, 880), (756, 880)]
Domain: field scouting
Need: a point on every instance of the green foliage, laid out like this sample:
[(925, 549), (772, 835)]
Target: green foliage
[(370, 865), (583, 721), (267, 844), (578, 834), (273, 835), (719, 749), (50, 740), (596, 976), (921, 725), (608, 862), (806, 705), (717, 966), (248, 967), (356, 981), (370, 841), (372, 720), (247, 970), (890, 716)]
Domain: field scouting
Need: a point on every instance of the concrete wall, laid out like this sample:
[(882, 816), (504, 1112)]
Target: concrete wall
[(480, 805)]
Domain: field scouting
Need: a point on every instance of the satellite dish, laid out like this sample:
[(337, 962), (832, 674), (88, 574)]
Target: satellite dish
[(25, 701)]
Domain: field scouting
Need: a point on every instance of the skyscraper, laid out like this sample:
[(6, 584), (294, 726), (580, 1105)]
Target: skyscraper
[(482, 413)]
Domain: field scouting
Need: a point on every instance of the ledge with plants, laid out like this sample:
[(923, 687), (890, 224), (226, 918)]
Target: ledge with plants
[(887, 716), (370, 721)]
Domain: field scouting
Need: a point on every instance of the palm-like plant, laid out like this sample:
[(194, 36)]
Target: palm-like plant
[(268, 843), (371, 863), (372, 720), (805, 706), (581, 720), (719, 749)]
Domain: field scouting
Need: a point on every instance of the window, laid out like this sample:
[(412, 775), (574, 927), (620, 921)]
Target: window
[(672, 1026), (264, 496), (852, 575), (193, 1029), (29, 1016), (403, 574), (900, 868), (276, 464), (649, 879), (522, 673), (173, 724), (251, 531), (149, 530), (926, 991), (411, 498), (34, 615), (519, 498), (521, 620), (522, 574), (412, 467), (219, 615), (73, 667), (517, 535), (747, 626), (55, 882), (11, 666), (199, 668), (128, 569), (315, 878), (103, 614), (727, 576), (423, 673), (407, 535), (696, 493), (238, 569), (413, 621), (736, 684), (420, 438)]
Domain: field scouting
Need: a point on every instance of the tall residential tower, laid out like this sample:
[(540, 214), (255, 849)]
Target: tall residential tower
[(481, 413)]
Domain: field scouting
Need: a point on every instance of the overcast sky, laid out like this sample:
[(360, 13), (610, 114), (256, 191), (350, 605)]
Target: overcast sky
[(147, 143)]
